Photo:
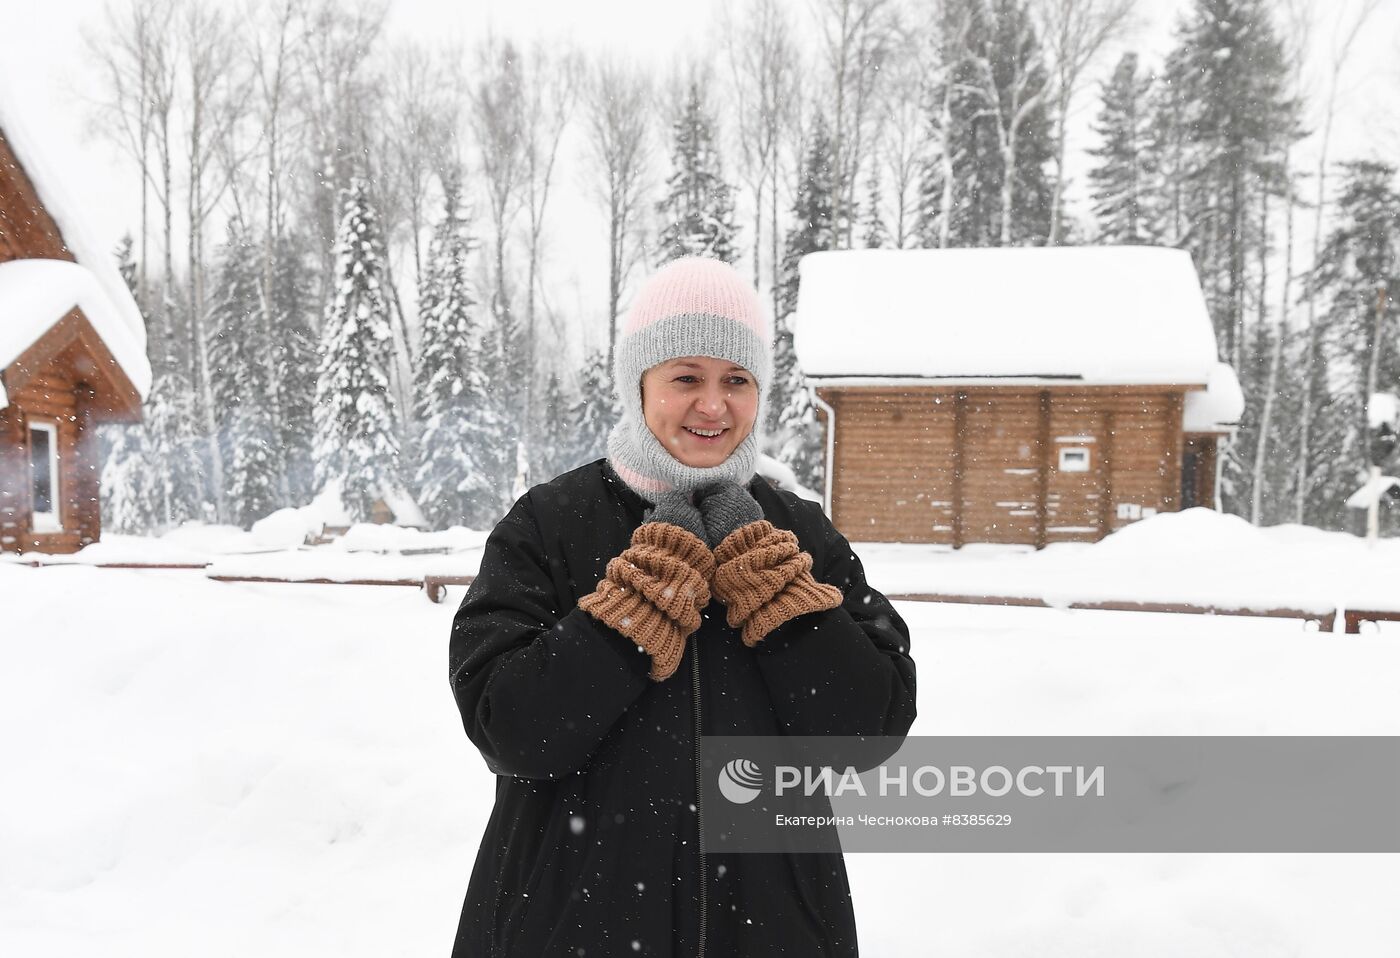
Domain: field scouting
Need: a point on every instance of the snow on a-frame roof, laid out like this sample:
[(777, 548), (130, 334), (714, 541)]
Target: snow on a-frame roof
[(37, 293), (1123, 314), (121, 311)]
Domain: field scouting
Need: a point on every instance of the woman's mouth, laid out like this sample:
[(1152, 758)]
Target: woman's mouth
[(706, 436)]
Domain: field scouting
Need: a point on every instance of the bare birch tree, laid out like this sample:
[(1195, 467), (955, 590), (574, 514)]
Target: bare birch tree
[(759, 54), (211, 98), (905, 143), (1074, 32), (129, 55), (549, 95), (1028, 89), (419, 121), (856, 37), (619, 151), (1343, 36), (1298, 25)]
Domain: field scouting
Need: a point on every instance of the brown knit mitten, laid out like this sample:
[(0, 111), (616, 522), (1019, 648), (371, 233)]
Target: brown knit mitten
[(765, 579), (654, 591)]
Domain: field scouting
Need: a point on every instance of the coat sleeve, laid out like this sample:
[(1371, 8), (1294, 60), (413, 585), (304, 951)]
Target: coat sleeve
[(847, 670), (537, 690)]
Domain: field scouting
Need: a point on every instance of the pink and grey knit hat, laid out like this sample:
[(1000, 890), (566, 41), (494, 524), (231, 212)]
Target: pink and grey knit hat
[(693, 306)]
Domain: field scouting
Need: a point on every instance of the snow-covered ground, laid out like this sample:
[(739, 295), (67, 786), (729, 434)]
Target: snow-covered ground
[(1198, 556), (198, 767)]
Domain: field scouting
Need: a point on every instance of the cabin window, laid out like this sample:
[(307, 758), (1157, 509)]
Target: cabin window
[(43, 467), (1074, 459)]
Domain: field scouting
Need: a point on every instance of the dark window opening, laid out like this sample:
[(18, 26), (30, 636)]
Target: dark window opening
[(1190, 480), (41, 468)]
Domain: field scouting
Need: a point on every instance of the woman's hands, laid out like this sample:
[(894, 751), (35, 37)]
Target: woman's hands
[(761, 573), (725, 506), (654, 591), (675, 508)]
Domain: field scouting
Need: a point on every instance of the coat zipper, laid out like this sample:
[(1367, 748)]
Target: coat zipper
[(699, 808)]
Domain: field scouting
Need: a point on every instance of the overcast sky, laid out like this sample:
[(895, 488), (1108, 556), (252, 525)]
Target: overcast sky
[(44, 67)]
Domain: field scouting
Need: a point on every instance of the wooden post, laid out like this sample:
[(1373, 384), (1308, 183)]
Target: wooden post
[(12, 473), (86, 493), (1171, 455), (959, 450), (1043, 480), (1106, 463)]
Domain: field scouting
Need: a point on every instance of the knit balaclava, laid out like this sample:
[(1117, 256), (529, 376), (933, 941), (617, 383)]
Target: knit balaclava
[(693, 306)]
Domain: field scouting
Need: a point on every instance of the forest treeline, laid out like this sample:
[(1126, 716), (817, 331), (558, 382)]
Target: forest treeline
[(344, 254)]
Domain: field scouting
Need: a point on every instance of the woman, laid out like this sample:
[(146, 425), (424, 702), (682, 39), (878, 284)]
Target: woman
[(566, 661)]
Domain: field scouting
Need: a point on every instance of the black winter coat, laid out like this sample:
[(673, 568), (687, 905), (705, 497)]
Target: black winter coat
[(592, 848)]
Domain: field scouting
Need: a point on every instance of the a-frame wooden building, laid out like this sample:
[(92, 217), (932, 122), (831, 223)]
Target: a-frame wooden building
[(72, 353)]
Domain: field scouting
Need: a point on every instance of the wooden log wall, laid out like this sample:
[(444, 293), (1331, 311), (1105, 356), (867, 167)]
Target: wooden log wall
[(26, 229), (51, 397), (981, 464)]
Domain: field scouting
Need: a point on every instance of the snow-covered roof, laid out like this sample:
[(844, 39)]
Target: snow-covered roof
[(1383, 410), (1218, 407), (36, 293), (1100, 315), (123, 320), (1371, 491)]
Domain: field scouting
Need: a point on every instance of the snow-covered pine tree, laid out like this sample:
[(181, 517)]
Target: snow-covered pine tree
[(1122, 181), (596, 411), (240, 354), (874, 235), (128, 490), (698, 211), (452, 405), (991, 63), (498, 418), (793, 435), (175, 446), (1236, 111), (555, 447), (291, 312), (130, 481), (126, 264), (1355, 277), (356, 439)]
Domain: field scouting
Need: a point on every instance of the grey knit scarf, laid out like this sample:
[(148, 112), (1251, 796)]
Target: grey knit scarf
[(641, 461)]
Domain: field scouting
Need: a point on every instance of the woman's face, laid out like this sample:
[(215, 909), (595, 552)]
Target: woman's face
[(699, 393)]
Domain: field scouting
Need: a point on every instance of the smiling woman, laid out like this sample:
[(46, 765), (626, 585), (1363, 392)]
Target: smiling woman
[(566, 661)]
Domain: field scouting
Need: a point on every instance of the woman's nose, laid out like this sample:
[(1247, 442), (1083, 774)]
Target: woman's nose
[(712, 400)]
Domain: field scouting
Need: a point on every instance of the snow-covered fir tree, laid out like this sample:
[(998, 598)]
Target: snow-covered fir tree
[(176, 449), (1121, 182), (1230, 80), (129, 503), (874, 234), (291, 312), (698, 211), (595, 412), (126, 264), (991, 58), (240, 361), (793, 433), (501, 458), (357, 443), (131, 492), (459, 436), (1355, 279), (554, 442)]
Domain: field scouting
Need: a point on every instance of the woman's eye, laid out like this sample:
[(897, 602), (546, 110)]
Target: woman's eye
[(739, 380), (681, 379)]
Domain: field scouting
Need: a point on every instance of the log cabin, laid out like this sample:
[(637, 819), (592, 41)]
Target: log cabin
[(72, 353), (1016, 395)]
